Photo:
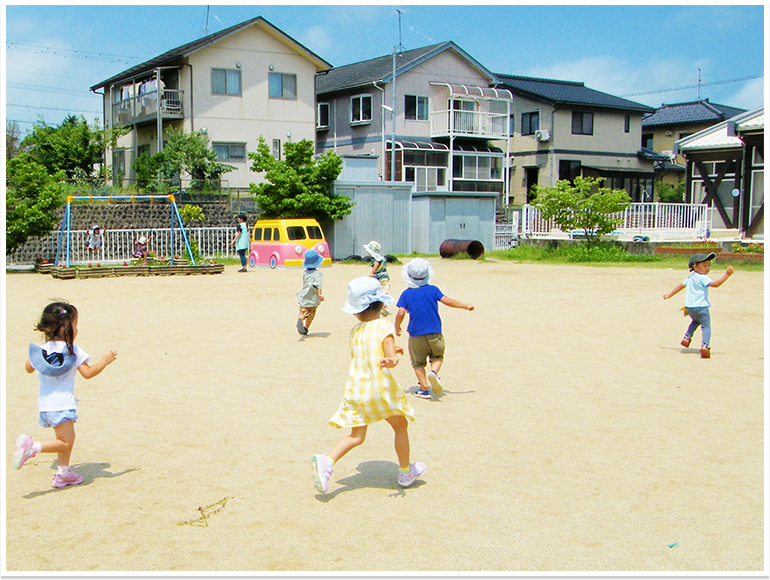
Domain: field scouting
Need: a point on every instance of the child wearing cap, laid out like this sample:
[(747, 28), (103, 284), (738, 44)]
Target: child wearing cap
[(696, 302), (426, 341), (371, 392), (379, 269), (311, 294)]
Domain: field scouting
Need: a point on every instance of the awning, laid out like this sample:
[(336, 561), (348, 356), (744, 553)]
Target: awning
[(618, 171), (421, 145), (476, 91), (477, 148)]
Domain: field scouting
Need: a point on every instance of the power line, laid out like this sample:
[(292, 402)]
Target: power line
[(44, 89), (695, 86), (51, 108), (70, 53)]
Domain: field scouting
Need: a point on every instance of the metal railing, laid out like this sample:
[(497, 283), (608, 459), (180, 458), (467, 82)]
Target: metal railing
[(471, 123), (145, 106), (118, 245), (657, 221)]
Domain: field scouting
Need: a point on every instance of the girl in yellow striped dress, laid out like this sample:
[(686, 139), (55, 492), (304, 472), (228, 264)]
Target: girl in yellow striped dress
[(371, 392)]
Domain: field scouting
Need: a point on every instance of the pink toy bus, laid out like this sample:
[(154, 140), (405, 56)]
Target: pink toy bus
[(282, 243)]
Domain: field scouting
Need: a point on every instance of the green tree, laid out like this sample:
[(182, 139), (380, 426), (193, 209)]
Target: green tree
[(668, 193), (154, 173), (71, 147), (298, 185), (582, 206), (190, 153), (31, 199)]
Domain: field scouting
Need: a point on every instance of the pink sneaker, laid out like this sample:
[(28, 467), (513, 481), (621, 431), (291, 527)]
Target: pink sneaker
[(416, 469), (322, 471), (23, 451), (71, 478)]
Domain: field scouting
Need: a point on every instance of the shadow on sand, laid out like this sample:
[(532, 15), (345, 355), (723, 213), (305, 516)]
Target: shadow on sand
[(371, 474), (90, 473)]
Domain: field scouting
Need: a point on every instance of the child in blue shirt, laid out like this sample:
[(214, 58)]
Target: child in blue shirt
[(426, 340), (696, 300)]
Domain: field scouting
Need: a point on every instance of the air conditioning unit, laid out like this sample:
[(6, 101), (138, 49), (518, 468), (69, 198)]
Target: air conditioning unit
[(543, 135)]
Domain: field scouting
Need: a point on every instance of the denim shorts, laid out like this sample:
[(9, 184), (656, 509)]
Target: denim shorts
[(54, 418)]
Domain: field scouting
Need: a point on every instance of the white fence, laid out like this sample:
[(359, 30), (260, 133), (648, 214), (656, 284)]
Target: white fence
[(656, 221), (118, 245)]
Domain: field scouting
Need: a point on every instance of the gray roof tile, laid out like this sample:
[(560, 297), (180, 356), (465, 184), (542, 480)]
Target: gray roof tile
[(690, 113), (567, 92)]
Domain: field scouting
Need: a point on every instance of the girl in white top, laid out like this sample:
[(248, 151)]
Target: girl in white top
[(56, 362), (371, 393)]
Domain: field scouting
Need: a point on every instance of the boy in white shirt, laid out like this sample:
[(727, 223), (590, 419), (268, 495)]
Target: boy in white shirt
[(696, 303)]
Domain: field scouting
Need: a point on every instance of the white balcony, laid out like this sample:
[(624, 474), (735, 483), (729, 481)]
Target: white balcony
[(143, 108), (477, 124)]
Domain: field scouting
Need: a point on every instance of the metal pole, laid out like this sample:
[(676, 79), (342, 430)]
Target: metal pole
[(69, 235), (393, 119)]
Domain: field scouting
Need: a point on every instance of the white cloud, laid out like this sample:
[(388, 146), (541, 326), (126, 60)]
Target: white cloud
[(750, 96), (318, 39), (621, 77)]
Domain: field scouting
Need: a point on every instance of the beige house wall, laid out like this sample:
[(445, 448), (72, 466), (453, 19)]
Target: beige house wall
[(609, 146), (241, 118)]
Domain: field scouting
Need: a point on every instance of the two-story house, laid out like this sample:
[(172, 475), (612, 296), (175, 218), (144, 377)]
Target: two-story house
[(563, 129), (671, 122), (246, 81), (435, 103)]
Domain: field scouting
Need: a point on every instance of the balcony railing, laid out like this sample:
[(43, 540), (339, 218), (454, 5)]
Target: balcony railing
[(145, 107), (456, 123)]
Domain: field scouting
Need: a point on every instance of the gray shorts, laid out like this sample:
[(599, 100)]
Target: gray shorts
[(426, 346)]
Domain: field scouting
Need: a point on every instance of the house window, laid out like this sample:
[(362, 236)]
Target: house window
[(143, 150), (530, 122), (426, 168), (283, 86), (277, 148), (225, 81), (415, 108), (647, 140), (322, 116), (582, 123), (568, 170), (682, 135), (627, 124), (477, 167), (230, 151), (360, 109)]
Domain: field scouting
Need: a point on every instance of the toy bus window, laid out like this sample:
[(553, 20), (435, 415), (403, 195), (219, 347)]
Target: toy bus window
[(257, 234), (315, 233), (268, 232), (295, 232), (276, 235)]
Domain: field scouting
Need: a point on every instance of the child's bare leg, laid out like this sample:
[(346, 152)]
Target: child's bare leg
[(400, 427), (356, 437), (62, 445), (422, 378), (435, 365)]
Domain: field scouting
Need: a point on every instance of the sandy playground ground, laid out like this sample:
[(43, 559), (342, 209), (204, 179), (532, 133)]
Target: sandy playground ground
[(575, 433)]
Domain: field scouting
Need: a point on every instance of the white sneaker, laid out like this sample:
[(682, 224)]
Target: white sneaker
[(322, 471), (435, 383), (416, 469)]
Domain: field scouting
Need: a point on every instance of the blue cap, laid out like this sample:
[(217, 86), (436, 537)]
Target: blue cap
[(312, 259)]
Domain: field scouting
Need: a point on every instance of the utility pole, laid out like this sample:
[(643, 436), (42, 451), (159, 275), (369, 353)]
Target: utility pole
[(396, 50)]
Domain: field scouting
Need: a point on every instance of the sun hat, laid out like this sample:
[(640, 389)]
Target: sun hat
[(417, 272), (312, 259), (374, 248), (142, 240), (362, 292), (698, 258), (96, 227)]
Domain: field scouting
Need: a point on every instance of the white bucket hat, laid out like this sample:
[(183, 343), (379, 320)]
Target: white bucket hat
[(362, 292), (142, 240), (374, 248), (417, 272)]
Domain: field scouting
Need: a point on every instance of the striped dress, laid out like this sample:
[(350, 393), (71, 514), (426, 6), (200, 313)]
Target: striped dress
[(371, 392)]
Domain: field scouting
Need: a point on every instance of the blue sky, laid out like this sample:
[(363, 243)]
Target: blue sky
[(54, 53)]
